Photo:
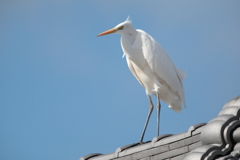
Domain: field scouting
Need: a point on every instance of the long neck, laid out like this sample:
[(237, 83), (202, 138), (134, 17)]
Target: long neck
[(130, 36), (127, 42)]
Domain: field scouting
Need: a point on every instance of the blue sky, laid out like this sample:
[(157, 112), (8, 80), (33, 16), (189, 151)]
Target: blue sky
[(65, 93)]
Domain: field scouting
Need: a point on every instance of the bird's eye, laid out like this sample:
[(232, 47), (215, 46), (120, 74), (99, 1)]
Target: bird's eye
[(120, 28)]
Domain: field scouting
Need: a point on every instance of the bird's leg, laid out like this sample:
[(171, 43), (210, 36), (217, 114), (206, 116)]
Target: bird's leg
[(158, 113), (148, 117)]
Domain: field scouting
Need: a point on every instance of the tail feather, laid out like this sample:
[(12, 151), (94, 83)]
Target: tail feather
[(181, 73), (176, 106)]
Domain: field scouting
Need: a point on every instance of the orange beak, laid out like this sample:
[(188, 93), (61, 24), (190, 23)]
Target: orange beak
[(110, 31)]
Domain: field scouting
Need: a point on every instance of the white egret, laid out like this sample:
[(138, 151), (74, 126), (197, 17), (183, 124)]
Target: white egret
[(152, 67)]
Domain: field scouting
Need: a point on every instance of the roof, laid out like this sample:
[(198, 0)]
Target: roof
[(218, 139)]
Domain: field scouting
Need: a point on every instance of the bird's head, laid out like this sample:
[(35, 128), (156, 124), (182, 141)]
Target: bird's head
[(125, 27)]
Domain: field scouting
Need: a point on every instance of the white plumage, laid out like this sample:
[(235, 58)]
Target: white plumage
[(151, 66)]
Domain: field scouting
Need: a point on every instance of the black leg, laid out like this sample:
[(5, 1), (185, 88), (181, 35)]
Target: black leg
[(158, 114), (148, 117)]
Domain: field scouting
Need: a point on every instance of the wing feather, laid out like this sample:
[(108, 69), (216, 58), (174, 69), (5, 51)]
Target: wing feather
[(130, 66), (162, 65)]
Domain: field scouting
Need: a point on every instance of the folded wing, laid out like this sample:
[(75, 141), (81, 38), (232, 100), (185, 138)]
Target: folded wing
[(162, 65)]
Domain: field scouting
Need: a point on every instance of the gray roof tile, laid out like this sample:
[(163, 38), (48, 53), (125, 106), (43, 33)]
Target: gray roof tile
[(160, 149), (236, 135), (148, 158), (230, 110), (177, 144), (178, 157), (103, 156), (136, 148), (142, 154), (196, 128), (170, 139), (196, 138), (233, 102), (218, 139), (158, 138), (194, 145), (90, 156), (129, 157), (172, 153)]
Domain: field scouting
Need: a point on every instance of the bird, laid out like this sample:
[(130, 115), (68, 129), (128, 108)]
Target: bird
[(152, 67)]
